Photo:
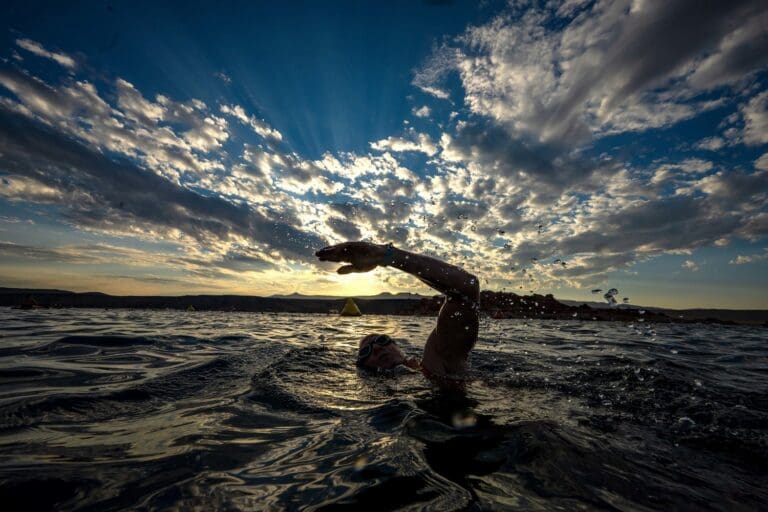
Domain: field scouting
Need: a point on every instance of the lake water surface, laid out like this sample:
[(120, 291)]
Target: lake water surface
[(107, 410)]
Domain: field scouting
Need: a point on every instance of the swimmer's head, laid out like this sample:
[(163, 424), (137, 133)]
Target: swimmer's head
[(379, 351)]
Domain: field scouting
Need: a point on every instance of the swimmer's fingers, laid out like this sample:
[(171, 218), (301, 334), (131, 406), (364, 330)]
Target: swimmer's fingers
[(346, 251), (339, 252)]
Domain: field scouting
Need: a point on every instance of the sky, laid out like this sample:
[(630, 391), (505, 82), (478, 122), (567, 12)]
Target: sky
[(549, 147)]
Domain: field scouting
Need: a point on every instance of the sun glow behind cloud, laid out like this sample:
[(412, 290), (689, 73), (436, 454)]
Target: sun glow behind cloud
[(532, 152)]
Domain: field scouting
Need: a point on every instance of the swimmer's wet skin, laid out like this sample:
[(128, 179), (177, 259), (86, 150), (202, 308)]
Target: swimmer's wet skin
[(454, 336)]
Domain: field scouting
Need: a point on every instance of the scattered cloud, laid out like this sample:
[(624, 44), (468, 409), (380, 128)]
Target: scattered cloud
[(258, 125), (223, 77), (81, 254), (117, 196), (422, 111), (37, 49), (422, 143), (602, 73), (711, 143), (690, 265), (755, 114), (762, 162), (432, 72), (751, 258)]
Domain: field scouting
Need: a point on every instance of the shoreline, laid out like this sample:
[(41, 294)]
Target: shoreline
[(497, 305)]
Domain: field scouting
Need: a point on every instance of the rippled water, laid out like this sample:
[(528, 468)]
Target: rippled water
[(105, 410)]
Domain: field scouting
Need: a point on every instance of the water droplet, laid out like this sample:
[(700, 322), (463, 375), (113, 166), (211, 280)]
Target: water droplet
[(610, 296), (361, 462), (466, 420)]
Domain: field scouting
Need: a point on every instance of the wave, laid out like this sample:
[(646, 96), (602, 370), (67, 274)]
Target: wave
[(216, 411)]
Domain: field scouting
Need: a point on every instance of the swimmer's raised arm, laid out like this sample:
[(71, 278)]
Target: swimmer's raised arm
[(364, 257), (449, 343)]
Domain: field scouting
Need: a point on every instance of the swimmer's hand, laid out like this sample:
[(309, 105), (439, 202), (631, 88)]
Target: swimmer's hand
[(362, 256)]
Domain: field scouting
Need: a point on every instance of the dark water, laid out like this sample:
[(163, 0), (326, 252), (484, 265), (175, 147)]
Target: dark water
[(107, 410)]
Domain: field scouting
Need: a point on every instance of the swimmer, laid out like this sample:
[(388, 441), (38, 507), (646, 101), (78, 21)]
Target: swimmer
[(448, 345)]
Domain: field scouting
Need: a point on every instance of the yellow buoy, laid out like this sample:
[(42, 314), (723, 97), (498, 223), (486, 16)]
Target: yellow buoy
[(350, 309)]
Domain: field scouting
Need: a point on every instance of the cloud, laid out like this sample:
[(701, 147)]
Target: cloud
[(711, 143), (258, 125), (422, 112), (344, 228), (23, 188), (572, 73), (170, 138), (667, 172), (81, 254), (118, 196), (541, 85), (739, 54), (690, 265), (289, 172), (37, 49), (434, 71), (26, 252), (135, 106), (422, 144), (223, 77), (751, 258), (434, 91), (755, 114), (354, 167), (762, 162), (544, 170)]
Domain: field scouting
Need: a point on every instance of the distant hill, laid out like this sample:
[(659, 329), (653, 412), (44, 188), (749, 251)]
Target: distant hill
[(33, 298), (380, 296), (31, 291), (494, 304)]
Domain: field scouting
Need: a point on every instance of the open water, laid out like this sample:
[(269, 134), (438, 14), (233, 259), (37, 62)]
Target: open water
[(168, 410)]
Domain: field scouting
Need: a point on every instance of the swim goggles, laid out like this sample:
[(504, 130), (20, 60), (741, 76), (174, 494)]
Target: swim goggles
[(365, 352)]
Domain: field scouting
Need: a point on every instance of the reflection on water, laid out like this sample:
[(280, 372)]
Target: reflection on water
[(103, 410)]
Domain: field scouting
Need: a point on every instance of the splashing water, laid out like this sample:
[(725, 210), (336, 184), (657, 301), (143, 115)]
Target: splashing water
[(610, 296)]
